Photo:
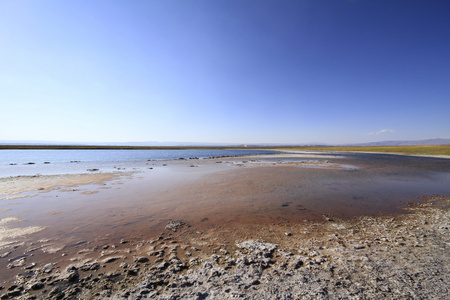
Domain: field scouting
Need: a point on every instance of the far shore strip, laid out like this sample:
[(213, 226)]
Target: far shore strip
[(349, 151)]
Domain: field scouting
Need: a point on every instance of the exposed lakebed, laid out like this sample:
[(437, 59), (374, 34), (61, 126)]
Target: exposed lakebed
[(235, 198)]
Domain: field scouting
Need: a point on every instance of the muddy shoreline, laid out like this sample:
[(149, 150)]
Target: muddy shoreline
[(226, 228), (391, 257)]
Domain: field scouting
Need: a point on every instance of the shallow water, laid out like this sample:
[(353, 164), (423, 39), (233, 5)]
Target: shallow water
[(219, 195), (228, 194), (48, 162)]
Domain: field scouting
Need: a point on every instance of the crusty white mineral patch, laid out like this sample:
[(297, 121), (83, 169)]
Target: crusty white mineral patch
[(8, 220), (11, 186), (52, 248), (7, 233), (10, 233)]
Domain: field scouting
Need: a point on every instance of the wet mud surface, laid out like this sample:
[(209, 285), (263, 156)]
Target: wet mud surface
[(195, 209)]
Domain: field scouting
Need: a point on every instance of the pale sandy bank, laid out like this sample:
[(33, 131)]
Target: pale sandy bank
[(20, 184)]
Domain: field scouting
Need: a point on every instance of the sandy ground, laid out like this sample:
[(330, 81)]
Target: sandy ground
[(20, 184), (217, 229)]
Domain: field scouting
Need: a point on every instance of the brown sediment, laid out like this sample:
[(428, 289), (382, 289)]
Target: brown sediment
[(213, 209), (89, 192), (386, 256)]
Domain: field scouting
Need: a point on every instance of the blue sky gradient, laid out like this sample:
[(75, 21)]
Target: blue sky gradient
[(225, 71)]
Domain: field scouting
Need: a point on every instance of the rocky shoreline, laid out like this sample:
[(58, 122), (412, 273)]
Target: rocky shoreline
[(389, 257)]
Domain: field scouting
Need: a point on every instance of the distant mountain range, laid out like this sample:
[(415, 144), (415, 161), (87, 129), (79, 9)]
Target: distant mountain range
[(193, 144)]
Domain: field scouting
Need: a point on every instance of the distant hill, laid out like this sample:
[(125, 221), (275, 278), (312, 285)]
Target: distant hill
[(406, 143)]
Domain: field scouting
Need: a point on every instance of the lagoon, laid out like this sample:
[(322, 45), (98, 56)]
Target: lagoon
[(52, 162), (322, 210)]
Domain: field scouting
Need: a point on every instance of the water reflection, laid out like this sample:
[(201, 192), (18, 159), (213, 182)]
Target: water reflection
[(140, 205)]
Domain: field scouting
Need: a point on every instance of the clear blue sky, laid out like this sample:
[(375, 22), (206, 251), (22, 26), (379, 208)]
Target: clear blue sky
[(224, 71)]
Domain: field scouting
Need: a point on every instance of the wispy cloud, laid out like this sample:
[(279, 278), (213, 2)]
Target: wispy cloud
[(383, 131)]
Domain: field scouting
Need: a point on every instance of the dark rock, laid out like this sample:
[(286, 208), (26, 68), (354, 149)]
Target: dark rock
[(328, 218), (111, 259), (13, 287), (158, 253), (133, 272), (90, 267), (14, 293), (71, 276), (71, 268), (36, 286), (141, 259), (162, 266), (48, 268)]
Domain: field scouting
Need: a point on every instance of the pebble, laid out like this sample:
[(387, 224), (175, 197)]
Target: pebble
[(343, 263)]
